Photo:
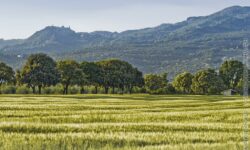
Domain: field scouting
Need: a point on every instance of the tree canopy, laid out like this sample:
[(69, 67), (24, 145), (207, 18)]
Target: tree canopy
[(70, 73), (231, 72), (183, 82), (207, 82), (155, 84), (119, 74), (93, 74), (42, 72), (7, 75), (39, 71)]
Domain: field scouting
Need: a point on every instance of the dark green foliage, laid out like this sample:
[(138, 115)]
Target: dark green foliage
[(135, 80), (170, 89), (156, 84), (240, 85), (119, 74), (39, 71), (22, 90), (231, 72), (182, 82), (207, 82), (58, 89), (7, 75), (70, 77), (74, 90), (18, 78), (8, 89), (70, 74), (93, 75)]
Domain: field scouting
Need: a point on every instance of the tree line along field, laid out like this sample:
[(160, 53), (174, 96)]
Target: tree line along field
[(42, 74), (120, 122)]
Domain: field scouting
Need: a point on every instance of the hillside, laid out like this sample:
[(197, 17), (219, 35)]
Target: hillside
[(4, 43), (195, 43)]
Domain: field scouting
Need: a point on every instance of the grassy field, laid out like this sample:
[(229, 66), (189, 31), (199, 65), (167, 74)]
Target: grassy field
[(120, 122)]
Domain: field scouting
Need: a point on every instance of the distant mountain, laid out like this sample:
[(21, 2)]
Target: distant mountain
[(195, 43), (4, 43)]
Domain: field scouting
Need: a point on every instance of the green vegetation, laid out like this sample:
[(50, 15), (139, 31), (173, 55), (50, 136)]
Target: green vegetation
[(156, 84), (7, 75), (39, 71), (70, 74), (120, 122), (183, 82), (207, 82), (42, 72), (231, 72)]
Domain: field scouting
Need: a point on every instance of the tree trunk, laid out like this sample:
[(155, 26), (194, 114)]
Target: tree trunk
[(96, 89), (113, 89), (65, 90), (33, 89), (130, 89), (106, 90), (39, 89), (82, 90), (0, 87), (122, 89)]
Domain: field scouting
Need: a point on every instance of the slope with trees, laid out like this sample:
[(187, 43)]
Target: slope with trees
[(189, 45)]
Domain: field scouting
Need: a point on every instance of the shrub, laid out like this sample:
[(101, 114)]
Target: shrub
[(101, 90), (86, 90), (91, 90), (139, 90), (170, 89), (9, 89), (158, 91), (23, 90), (58, 89), (74, 90), (48, 90)]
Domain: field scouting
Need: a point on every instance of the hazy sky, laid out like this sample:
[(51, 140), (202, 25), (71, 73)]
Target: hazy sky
[(21, 18)]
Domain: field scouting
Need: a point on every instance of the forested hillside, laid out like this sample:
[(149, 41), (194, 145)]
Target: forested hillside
[(190, 45)]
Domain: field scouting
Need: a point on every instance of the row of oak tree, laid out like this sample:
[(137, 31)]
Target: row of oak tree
[(42, 71)]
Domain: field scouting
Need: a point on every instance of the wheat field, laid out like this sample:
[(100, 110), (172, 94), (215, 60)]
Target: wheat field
[(79, 122)]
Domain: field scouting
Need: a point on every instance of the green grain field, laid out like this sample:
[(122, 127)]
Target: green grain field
[(120, 122)]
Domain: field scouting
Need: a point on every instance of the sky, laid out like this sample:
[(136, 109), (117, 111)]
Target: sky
[(21, 18)]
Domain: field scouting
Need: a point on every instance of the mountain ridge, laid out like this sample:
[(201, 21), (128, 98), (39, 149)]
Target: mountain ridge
[(197, 42)]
